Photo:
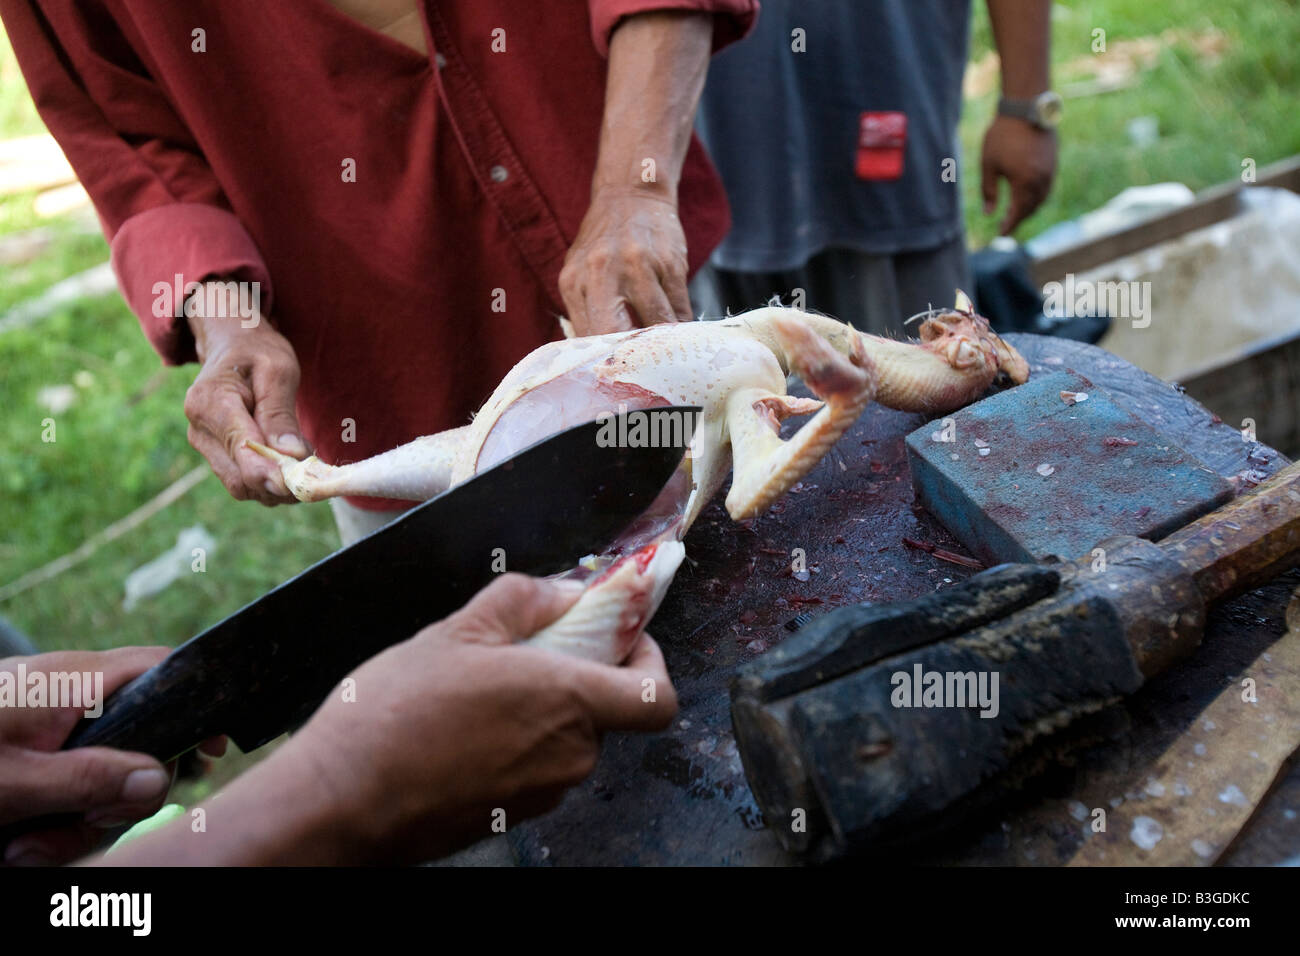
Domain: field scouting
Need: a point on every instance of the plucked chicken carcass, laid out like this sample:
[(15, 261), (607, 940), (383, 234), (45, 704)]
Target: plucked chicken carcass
[(734, 369)]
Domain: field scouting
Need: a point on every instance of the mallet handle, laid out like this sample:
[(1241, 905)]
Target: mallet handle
[(1244, 544)]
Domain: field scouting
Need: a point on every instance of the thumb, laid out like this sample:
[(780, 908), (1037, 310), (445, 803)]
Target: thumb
[(637, 696), (84, 779), (515, 606), (274, 390), (988, 180)]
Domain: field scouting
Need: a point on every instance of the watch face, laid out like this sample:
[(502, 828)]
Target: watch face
[(1049, 109)]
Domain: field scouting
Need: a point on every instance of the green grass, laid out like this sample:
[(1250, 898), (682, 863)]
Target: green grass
[(119, 445), (123, 441), (71, 252)]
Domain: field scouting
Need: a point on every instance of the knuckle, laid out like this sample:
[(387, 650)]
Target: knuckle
[(273, 367), (514, 579), (577, 695), (583, 763), (616, 313), (209, 405), (86, 781), (567, 685), (510, 590), (516, 587), (196, 400), (232, 406), (280, 367), (231, 437)]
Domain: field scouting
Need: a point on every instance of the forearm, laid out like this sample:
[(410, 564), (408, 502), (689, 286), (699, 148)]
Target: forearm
[(280, 813), (657, 64), (1022, 30)]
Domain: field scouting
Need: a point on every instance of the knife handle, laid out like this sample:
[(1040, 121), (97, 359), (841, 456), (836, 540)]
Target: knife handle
[(132, 720), (165, 712)]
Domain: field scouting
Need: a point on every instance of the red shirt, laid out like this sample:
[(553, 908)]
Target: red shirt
[(472, 174)]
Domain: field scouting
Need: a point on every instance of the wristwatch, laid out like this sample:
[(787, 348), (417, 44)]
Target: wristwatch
[(1043, 111)]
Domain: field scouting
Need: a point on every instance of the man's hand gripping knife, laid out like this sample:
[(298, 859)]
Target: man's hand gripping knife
[(106, 788), (434, 740)]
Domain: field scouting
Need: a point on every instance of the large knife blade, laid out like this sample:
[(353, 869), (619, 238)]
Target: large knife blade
[(264, 669)]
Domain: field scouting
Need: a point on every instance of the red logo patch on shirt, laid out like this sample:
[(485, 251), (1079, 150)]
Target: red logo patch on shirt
[(881, 141)]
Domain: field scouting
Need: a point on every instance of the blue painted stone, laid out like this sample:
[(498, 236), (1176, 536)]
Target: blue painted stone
[(1002, 508)]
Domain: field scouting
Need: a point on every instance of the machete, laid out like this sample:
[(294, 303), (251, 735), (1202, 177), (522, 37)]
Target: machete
[(266, 668)]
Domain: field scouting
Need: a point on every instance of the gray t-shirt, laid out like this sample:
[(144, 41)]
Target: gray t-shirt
[(783, 128)]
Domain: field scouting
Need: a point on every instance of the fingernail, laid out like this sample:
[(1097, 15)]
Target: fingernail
[(291, 445), (272, 488), (105, 820), (143, 786), (570, 587), (26, 853)]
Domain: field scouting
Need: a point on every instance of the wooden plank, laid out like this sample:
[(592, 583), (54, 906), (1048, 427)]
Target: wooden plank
[(1263, 384), (1195, 805), (1213, 205)]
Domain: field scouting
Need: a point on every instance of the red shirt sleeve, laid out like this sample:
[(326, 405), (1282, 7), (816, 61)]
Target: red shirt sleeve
[(733, 19), (157, 198)]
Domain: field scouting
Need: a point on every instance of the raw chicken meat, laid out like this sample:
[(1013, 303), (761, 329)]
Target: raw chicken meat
[(734, 369)]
